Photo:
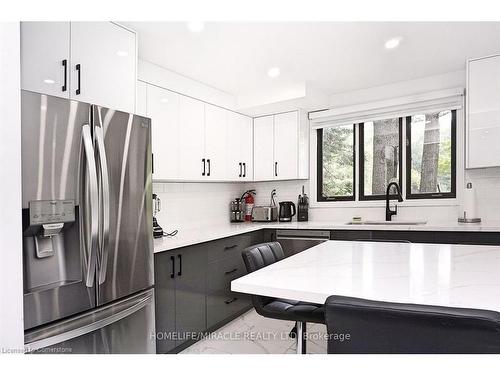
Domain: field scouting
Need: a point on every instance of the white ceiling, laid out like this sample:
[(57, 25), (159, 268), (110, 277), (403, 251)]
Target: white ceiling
[(333, 57)]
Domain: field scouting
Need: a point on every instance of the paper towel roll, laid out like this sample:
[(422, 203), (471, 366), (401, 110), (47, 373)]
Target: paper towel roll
[(469, 206)]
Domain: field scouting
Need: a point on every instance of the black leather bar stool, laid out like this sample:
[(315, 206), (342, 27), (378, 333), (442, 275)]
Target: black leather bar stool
[(397, 328), (262, 255)]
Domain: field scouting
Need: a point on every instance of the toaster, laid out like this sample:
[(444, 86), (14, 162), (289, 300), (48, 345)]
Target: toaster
[(265, 213)]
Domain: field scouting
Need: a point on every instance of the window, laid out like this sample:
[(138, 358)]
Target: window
[(336, 163), (431, 155), (380, 157)]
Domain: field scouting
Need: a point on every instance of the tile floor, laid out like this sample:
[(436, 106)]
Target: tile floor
[(254, 334)]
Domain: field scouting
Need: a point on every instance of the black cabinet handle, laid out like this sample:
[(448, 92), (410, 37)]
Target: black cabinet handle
[(79, 79), (152, 163), (276, 169), (172, 274), (230, 272), (240, 164), (203, 173), (208, 162), (65, 70), (180, 265), (244, 169), (231, 300), (229, 247)]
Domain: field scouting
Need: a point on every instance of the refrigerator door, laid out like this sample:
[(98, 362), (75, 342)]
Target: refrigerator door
[(57, 170), (125, 327), (123, 156)]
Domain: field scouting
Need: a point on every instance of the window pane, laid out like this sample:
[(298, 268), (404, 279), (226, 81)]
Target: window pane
[(381, 155), (338, 162), (431, 153)]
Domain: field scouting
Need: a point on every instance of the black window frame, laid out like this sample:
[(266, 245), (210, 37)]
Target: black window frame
[(453, 192), (362, 196), (319, 171)]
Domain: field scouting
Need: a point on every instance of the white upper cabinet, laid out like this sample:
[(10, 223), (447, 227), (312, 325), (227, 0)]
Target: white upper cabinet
[(239, 147), (216, 142), (45, 50), (286, 131), (483, 112), (163, 107), (263, 151), (281, 147), (93, 62), (103, 64), (192, 160)]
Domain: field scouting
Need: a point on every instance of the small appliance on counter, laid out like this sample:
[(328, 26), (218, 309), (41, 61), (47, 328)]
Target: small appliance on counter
[(287, 211), (469, 206), (303, 207), (236, 213), (266, 213), (157, 230)]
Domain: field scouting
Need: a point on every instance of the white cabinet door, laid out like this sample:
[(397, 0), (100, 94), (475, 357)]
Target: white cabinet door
[(246, 136), (286, 130), (234, 164), (483, 125), (103, 65), (192, 139), (163, 109), (239, 147), (215, 142), (263, 167), (45, 57)]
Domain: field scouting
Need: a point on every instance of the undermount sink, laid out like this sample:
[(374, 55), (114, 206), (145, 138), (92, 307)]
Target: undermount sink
[(383, 222)]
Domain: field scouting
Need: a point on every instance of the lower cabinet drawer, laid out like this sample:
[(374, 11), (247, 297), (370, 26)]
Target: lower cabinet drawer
[(221, 305), (228, 247), (220, 273)]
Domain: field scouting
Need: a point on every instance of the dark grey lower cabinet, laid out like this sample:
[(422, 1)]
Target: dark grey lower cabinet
[(165, 301), (193, 289), (180, 296), (190, 313)]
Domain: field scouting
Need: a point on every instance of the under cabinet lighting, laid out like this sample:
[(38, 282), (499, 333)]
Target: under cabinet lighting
[(195, 26), (273, 72), (392, 43)]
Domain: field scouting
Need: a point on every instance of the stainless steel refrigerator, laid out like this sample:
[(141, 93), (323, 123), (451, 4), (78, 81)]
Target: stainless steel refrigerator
[(87, 239)]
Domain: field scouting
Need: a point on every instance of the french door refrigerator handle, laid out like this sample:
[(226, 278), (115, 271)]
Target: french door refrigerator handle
[(94, 205), (104, 199), (83, 330)]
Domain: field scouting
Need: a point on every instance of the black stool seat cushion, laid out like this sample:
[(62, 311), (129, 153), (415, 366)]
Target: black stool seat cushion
[(262, 255), (288, 309), (402, 328)]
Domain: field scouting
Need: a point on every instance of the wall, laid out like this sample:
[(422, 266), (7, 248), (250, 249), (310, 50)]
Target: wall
[(188, 205), (486, 181), (11, 280)]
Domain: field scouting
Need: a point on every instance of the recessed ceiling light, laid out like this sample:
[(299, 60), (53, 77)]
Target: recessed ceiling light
[(49, 81), (122, 53), (273, 72), (164, 100), (393, 43), (196, 26)]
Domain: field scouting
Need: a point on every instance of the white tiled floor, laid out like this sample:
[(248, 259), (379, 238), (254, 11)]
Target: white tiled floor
[(254, 334)]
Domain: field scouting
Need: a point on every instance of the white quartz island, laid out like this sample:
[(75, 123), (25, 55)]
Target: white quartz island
[(433, 274)]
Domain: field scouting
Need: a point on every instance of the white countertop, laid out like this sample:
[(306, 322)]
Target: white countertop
[(187, 237), (432, 274)]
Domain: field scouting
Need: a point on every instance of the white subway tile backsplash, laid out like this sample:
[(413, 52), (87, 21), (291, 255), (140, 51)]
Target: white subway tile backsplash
[(192, 205)]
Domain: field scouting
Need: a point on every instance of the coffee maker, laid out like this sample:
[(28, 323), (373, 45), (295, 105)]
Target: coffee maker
[(157, 230), (303, 207)]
